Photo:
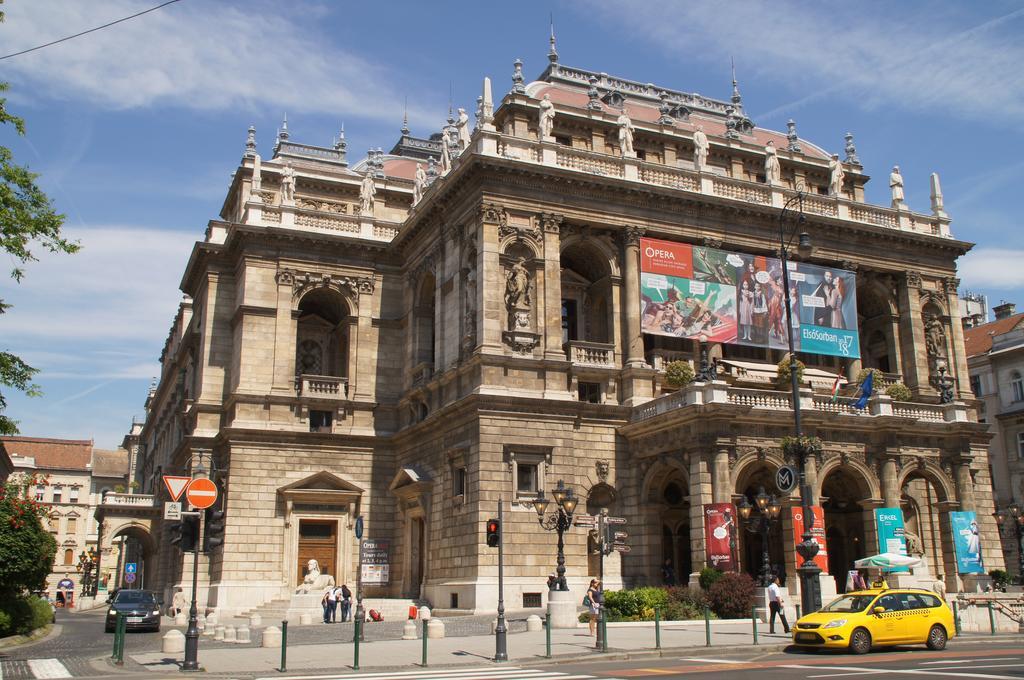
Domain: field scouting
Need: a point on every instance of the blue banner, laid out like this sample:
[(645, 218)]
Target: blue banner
[(891, 538), (967, 542)]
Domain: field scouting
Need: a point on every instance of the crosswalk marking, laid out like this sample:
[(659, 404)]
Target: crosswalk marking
[(946, 663), (44, 669), (479, 673), (701, 660), (858, 670)]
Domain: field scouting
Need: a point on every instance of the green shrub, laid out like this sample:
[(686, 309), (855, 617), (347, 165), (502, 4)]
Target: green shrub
[(679, 374), (22, 615), (708, 577), (684, 604), (783, 371), (862, 374), (1000, 578), (899, 392), (732, 596)]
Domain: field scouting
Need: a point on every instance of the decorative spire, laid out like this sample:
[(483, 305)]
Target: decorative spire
[(595, 96), (517, 77), (487, 104), (851, 150), (794, 141), (405, 118), (250, 142), (340, 145), (938, 208), (283, 132), (737, 100), (552, 52)]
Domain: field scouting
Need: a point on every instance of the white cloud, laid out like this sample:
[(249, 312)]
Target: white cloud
[(873, 55), (196, 55), (997, 268)]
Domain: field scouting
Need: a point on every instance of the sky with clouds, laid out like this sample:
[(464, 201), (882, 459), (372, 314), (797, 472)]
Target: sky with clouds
[(136, 129)]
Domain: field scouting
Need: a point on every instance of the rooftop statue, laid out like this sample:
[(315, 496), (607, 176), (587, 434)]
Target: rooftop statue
[(835, 176), (287, 184), (462, 125), (418, 184), (896, 184), (626, 134), (772, 169), (367, 191), (700, 149), (546, 123)]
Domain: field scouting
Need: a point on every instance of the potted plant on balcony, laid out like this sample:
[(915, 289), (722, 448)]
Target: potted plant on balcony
[(679, 374), (862, 375), (783, 372), (795, 447), (899, 392)]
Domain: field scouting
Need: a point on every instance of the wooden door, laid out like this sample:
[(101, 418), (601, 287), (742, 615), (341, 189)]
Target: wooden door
[(318, 540)]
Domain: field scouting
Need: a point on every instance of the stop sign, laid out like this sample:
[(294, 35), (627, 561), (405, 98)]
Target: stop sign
[(201, 493)]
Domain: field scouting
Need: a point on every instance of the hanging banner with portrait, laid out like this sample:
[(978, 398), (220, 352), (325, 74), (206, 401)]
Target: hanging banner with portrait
[(697, 292), (719, 525), (891, 534), (817, 535), (967, 542)]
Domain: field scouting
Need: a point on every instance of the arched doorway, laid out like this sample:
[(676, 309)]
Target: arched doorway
[(751, 544), (130, 545), (842, 492), (321, 343), (586, 292), (919, 498)]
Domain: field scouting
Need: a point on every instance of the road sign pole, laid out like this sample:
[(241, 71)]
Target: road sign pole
[(600, 644), (191, 663), (500, 631)]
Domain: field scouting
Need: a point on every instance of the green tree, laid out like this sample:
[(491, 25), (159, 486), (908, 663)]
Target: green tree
[(27, 219), (26, 548)]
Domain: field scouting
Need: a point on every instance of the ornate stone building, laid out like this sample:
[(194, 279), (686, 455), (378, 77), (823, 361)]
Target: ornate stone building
[(425, 332)]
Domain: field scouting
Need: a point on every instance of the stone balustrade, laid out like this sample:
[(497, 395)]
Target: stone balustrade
[(143, 500), (323, 387), (319, 217), (591, 353), (780, 400)]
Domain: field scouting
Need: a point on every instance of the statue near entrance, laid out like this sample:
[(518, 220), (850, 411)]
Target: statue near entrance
[(314, 581)]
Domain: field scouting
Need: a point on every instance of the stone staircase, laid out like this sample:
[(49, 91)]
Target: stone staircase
[(393, 609)]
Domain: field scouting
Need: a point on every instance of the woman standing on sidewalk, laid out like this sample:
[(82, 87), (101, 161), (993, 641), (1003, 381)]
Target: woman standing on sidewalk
[(592, 600)]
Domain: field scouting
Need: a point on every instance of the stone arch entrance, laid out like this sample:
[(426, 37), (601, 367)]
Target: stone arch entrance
[(845, 497), (750, 545), (926, 497), (128, 540), (667, 496)]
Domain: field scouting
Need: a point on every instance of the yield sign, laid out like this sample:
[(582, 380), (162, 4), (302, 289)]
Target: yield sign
[(176, 485), (201, 493)]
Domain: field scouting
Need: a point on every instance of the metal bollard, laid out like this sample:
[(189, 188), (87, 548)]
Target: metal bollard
[(284, 646), (956, 617), (117, 654), (991, 618), (753, 620), (123, 633), (547, 636), (707, 627), (423, 662), (357, 633), (657, 629)]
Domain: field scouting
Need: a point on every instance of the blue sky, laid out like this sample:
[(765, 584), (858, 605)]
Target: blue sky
[(136, 129)]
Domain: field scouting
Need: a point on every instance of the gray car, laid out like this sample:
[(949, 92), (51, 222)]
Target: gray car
[(141, 607)]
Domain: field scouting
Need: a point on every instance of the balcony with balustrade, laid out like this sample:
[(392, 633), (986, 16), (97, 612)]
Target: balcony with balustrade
[(322, 387)]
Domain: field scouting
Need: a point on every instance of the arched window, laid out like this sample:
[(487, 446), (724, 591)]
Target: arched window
[(69, 557), (321, 344), (423, 315), (1017, 385)]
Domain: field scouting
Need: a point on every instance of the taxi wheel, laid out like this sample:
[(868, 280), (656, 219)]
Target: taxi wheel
[(860, 641), (937, 638)]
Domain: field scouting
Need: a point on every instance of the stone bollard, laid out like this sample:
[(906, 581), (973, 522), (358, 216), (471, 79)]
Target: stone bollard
[(423, 613), (255, 621), (271, 637), (181, 619), (218, 633), (494, 626), (533, 623), (435, 629), (206, 629), (230, 635), (409, 630), (173, 642), (305, 618), (211, 619), (243, 636)]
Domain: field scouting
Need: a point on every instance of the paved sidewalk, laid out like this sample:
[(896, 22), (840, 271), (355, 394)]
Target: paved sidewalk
[(525, 647)]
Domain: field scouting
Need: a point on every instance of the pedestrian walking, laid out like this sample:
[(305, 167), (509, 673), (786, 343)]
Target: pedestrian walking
[(776, 606), (592, 601), (346, 603)]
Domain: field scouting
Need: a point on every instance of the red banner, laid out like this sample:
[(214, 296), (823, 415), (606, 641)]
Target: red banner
[(719, 523), (666, 257), (817, 534)]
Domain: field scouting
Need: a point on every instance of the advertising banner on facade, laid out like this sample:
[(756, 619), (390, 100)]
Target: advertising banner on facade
[(719, 523), (967, 542), (376, 562), (817, 535), (891, 538), (696, 292)]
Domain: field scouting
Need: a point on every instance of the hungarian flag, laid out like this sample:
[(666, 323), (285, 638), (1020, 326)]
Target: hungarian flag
[(835, 389)]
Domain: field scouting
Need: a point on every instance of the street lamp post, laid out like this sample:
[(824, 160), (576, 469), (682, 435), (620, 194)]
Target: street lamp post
[(86, 566), (810, 587), (1016, 525), (560, 520), (768, 509)]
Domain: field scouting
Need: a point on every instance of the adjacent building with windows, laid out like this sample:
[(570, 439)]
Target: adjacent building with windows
[(995, 359), (419, 335)]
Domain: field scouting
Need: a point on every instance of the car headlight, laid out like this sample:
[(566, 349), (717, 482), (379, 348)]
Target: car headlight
[(835, 623), (156, 612), (111, 612)]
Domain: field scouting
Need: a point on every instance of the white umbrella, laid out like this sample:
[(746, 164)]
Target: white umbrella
[(887, 561)]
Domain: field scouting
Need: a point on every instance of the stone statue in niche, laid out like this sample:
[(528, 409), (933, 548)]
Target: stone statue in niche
[(772, 169), (517, 286), (367, 191), (546, 122), (626, 134), (287, 184), (835, 176), (934, 337), (700, 149), (914, 545), (469, 315)]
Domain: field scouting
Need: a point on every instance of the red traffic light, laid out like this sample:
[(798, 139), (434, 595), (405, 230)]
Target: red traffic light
[(493, 533)]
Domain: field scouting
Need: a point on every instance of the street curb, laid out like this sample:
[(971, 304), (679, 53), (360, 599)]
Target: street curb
[(38, 635)]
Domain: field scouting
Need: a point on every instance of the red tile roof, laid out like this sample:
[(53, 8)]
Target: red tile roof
[(978, 340), (52, 454)]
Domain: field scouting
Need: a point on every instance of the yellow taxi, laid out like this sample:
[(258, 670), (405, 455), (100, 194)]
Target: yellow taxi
[(863, 619)]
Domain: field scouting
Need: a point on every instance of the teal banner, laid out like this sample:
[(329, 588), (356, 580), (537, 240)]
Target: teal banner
[(967, 542), (891, 537)]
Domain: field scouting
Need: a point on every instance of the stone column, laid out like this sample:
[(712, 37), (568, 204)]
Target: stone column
[(284, 336), (914, 358), (895, 357), (700, 493), (957, 353), (552, 322), (631, 289), (721, 480), (890, 485), (811, 473), (491, 315), (964, 484)]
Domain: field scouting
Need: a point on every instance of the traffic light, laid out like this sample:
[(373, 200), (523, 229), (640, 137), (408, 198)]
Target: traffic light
[(213, 535), (185, 533), (493, 533)]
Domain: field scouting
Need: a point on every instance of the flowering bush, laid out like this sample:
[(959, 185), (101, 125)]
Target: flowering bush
[(732, 596), (26, 548)]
